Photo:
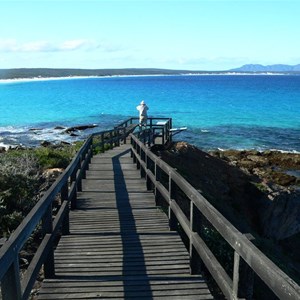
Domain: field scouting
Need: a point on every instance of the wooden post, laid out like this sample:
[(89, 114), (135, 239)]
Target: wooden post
[(90, 151), (133, 156), (102, 141), (192, 250), (10, 284), (83, 166), (195, 227), (117, 133), (78, 168), (143, 157), (148, 181), (125, 136), (74, 197), (172, 217), (139, 151), (64, 194), (47, 227), (157, 172), (111, 139), (235, 281), (246, 277)]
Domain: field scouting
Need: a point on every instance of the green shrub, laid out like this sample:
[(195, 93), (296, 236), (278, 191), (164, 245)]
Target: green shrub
[(19, 184), (10, 222), (20, 179), (55, 157), (48, 158), (219, 247)]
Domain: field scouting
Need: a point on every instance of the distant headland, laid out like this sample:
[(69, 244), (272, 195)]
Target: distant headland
[(23, 73), (271, 68)]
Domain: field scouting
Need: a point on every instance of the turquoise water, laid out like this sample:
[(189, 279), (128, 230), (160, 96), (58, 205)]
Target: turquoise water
[(241, 112)]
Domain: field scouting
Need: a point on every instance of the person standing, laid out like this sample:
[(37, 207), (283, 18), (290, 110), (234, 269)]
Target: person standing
[(143, 115)]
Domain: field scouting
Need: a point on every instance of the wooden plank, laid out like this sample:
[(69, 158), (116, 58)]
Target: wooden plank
[(129, 289), (120, 245), (111, 174)]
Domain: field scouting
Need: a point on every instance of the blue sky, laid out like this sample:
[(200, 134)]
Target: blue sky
[(172, 34)]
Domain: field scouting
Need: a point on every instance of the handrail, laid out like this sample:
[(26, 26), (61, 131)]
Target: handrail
[(283, 286), (157, 128), (66, 185)]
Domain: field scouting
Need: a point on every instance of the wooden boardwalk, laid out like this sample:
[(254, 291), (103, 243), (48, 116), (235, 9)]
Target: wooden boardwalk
[(120, 246)]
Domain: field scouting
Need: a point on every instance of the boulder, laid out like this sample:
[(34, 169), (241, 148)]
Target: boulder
[(80, 128), (45, 144)]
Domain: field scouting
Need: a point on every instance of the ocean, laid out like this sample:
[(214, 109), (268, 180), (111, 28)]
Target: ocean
[(220, 111)]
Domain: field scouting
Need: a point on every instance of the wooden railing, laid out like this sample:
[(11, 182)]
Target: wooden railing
[(13, 287), (157, 130), (167, 184)]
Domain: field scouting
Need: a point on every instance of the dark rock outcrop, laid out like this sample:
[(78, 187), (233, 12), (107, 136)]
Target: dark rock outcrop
[(79, 128)]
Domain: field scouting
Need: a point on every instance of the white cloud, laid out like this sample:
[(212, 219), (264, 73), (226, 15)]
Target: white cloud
[(8, 45), (76, 44), (39, 46), (11, 45)]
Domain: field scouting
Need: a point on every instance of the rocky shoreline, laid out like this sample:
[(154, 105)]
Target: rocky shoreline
[(35, 137)]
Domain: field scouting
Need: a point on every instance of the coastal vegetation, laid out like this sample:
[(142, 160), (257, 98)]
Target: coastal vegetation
[(24, 178), (20, 73), (48, 72)]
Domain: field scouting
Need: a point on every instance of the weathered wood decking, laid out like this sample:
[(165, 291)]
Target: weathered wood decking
[(120, 245)]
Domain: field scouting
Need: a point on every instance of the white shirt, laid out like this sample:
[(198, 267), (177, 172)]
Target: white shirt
[(142, 108)]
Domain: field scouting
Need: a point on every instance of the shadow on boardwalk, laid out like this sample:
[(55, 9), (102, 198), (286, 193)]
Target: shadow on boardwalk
[(129, 235)]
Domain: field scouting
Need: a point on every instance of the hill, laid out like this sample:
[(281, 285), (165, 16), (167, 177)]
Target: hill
[(270, 68)]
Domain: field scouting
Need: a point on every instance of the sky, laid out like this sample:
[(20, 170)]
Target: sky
[(170, 34)]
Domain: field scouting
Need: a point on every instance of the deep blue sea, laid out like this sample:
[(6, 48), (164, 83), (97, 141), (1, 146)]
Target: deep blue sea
[(220, 111)]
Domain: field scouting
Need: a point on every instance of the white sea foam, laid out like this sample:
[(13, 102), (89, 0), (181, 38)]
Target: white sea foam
[(2, 145), (12, 129), (285, 151), (15, 80), (49, 134)]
